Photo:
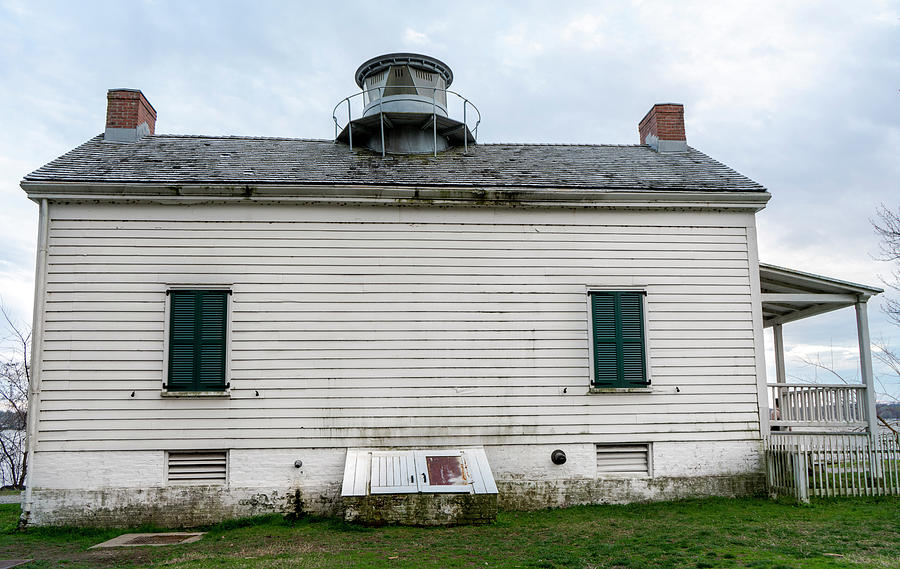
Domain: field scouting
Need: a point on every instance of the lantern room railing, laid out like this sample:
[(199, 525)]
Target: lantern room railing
[(379, 104)]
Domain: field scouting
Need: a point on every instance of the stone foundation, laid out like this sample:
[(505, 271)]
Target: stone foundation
[(520, 495), (174, 507), (421, 509), (180, 507), (128, 488)]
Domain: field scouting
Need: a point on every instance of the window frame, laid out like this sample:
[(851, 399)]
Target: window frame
[(593, 387), (225, 391)]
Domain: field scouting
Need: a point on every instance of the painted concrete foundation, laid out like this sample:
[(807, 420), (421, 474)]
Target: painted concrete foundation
[(121, 488)]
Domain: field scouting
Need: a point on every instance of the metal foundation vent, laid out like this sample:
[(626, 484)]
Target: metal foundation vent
[(196, 467), (631, 460)]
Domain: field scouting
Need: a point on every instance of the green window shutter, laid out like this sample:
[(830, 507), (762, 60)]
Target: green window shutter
[(618, 332), (198, 326), (605, 343), (182, 326), (631, 320)]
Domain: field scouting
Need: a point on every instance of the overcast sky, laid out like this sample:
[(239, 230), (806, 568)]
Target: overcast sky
[(803, 97)]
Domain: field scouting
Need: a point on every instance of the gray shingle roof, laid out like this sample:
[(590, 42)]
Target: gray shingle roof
[(170, 159)]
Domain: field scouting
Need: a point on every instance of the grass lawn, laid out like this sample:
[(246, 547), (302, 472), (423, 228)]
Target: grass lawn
[(693, 534)]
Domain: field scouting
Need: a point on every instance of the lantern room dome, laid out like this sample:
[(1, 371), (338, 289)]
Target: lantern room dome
[(418, 61)]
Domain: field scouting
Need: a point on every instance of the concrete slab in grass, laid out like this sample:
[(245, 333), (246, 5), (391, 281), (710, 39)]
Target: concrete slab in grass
[(151, 539)]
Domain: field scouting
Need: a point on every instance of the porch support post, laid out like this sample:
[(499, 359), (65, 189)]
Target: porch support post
[(865, 364), (780, 376)]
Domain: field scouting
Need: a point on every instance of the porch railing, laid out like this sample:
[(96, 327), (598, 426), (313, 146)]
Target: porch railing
[(818, 406)]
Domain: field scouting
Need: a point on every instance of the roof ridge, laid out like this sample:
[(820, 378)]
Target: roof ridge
[(240, 137), (585, 144), (301, 139)]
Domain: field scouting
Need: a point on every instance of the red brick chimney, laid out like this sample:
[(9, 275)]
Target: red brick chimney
[(663, 128), (129, 115)]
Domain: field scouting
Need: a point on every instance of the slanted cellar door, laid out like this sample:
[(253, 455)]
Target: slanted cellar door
[(371, 471)]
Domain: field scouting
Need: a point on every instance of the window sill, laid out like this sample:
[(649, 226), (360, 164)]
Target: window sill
[(189, 394), (597, 390)]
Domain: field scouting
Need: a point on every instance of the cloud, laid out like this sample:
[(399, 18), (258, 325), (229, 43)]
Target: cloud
[(737, 55), (798, 96), (584, 32), (519, 46), (17, 286), (411, 36)]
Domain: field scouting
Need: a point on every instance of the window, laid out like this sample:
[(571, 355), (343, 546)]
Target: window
[(198, 325), (617, 334)]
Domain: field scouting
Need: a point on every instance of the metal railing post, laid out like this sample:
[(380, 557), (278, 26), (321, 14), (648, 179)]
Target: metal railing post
[(350, 124), (434, 117), (381, 116), (465, 129)]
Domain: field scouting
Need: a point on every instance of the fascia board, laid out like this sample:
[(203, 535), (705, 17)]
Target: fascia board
[(400, 195)]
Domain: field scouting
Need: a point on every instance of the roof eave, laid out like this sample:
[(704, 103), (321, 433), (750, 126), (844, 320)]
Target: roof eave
[(789, 295), (399, 195)]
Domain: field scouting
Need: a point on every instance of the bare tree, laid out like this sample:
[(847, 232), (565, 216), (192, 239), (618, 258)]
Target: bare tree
[(15, 376), (880, 352), (887, 226)]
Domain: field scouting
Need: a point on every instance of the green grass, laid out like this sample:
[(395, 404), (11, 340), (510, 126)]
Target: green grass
[(697, 534)]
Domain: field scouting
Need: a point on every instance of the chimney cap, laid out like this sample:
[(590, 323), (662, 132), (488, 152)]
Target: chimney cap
[(419, 60), (127, 90), (653, 108)]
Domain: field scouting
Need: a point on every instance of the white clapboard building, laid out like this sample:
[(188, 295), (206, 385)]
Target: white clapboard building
[(228, 326)]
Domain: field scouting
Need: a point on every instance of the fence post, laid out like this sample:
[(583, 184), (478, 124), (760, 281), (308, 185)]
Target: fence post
[(801, 480)]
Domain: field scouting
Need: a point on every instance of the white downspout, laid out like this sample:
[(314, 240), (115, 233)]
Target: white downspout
[(37, 348)]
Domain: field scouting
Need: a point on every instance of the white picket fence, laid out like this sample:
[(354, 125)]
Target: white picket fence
[(820, 465)]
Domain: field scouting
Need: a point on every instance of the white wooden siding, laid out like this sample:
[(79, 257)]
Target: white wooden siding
[(394, 326)]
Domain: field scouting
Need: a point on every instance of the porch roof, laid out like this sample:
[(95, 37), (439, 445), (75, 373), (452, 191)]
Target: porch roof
[(789, 295)]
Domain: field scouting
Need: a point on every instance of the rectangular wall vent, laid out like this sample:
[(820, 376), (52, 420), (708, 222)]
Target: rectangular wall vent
[(623, 459), (197, 467)]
